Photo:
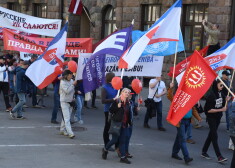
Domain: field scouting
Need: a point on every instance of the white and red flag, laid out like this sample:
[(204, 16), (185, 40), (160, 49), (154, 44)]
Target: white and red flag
[(75, 7), (224, 57), (166, 28), (44, 70)]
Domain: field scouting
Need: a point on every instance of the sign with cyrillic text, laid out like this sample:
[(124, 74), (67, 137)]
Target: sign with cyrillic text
[(29, 24), (17, 42)]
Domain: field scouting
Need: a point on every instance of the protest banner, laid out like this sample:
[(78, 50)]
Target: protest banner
[(30, 24), (17, 42), (16, 31), (145, 66)]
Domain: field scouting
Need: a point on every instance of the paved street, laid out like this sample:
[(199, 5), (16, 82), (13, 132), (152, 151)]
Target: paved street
[(36, 143)]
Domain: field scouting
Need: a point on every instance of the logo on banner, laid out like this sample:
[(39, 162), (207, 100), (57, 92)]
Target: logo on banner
[(50, 56), (195, 77), (157, 47)]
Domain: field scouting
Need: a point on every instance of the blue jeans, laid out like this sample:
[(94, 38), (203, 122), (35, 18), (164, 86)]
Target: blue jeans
[(189, 132), (129, 137), (18, 108), (228, 113), (79, 101), (56, 102), (123, 141), (180, 140), (113, 141), (33, 91)]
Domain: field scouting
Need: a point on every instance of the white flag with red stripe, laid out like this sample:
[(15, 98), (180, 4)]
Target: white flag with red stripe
[(76, 7), (44, 70), (167, 28)]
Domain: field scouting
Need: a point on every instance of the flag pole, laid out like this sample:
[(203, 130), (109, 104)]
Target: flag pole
[(226, 86), (176, 49), (122, 73), (230, 87), (88, 16)]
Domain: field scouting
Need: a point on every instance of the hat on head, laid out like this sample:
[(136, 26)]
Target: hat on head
[(226, 73)]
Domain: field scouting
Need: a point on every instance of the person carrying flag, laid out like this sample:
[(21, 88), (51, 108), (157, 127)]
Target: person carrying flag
[(182, 128)]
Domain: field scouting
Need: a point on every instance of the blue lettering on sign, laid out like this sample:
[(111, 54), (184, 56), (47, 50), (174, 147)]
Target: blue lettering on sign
[(146, 59), (111, 59)]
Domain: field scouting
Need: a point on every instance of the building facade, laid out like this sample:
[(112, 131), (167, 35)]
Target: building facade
[(107, 15)]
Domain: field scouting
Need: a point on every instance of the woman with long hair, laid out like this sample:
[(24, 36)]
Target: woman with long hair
[(215, 105)]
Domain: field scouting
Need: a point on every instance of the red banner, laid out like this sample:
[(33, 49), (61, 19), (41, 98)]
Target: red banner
[(17, 31), (196, 81), (180, 67), (17, 42)]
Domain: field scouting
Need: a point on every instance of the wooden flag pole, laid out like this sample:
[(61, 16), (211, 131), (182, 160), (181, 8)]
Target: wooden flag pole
[(226, 86), (88, 17), (230, 87), (176, 49)]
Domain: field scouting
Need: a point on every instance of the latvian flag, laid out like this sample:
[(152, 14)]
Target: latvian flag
[(76, 7)]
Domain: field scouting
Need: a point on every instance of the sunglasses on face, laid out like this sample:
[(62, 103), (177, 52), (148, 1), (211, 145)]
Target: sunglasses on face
[(221, 85)]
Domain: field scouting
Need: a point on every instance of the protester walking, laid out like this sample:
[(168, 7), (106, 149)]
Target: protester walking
[(66, 98), (79, 95), (108, 94), (182, 129), (157, 89), (120, 122), (215, 105), (21, 89)]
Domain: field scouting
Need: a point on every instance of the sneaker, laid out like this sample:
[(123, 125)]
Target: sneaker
[(104, 154), (37, 106), (198, 126), (25, 106), (190, 141), (20, 118), (12, 115), (125, 160), (206, 156), (146, 126), (222, 159), (71, 136), (188, 160), (161, 129), (64, 133), (55, 122), (176, 157), (9, 109), (128, 155), (80, 122)]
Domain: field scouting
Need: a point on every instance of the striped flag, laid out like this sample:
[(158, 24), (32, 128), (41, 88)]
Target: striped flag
[(43, 71), (76, 7), (167, 28)]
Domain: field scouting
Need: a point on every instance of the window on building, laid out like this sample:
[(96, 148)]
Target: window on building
[(40, 10), (150, 13), (109, 21), (15, 6), (193, 31)]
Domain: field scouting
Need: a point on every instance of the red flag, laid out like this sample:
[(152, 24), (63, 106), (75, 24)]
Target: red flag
[(180, 67), (196, 81), (75, 7)]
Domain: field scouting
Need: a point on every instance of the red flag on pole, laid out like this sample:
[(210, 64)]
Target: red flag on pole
[(76, 7), (196, 81), (180, 67)]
